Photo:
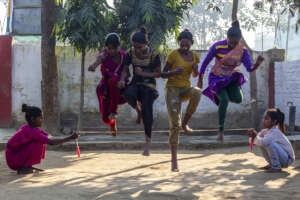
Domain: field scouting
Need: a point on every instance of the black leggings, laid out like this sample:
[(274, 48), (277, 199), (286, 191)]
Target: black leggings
[(146, 95)]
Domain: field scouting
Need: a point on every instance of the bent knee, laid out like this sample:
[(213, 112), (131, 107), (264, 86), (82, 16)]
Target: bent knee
[(196, 93), (238, 100)]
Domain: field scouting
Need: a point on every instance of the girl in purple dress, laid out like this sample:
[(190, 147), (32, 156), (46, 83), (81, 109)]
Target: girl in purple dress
[(28, 146), (224, 80)]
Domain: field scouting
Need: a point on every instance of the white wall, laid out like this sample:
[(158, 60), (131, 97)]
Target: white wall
[(287, 87), (26, 77)]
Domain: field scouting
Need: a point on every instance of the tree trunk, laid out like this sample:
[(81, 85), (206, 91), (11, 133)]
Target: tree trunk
[(82, 79), (276, 30), (235, 6), (50, 101), (253, 79)]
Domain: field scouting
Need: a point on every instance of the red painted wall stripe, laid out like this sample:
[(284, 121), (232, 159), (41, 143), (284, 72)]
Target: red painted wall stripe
[(271, 85), (5, 80)]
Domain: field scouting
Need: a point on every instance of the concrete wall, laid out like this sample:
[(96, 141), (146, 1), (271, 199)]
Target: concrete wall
[(27, 78), (287, 87)]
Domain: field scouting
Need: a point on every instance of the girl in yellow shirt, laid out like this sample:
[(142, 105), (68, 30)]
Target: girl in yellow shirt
[(181, 63)]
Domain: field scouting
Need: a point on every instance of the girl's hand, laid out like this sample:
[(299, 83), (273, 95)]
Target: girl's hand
[(259, 60), (74, 136), (200, 83), (178, 71), (91, 68), (121, 84), (138, 70), (195, 68), (252, 133)]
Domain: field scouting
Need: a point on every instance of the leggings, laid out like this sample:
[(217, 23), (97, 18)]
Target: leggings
[(174, 98), (232, 93), (146, 95)]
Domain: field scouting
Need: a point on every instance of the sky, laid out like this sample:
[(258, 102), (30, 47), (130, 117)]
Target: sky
[(249, 35)]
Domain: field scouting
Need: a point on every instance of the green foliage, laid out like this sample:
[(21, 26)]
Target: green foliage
[(160, 17), (83, 24), (290, 7)]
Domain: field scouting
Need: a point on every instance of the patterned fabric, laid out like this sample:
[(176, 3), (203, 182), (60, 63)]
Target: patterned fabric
[(174, 98), (109, 69), (227, 65), (217, 82), (107, 91), (148, 64)]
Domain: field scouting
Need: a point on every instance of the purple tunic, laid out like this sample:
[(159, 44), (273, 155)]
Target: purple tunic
[(216, 83)]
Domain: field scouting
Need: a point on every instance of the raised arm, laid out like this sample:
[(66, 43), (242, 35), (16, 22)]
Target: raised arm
[(125, 71), (55, 141), (210, 55), (97, 62), (246, 60), (195, 65)]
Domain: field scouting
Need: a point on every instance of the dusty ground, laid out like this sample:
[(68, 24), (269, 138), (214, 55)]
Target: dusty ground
[(211, 174)]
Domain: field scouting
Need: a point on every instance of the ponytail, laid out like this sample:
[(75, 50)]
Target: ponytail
[(278, 117), (281, 118)]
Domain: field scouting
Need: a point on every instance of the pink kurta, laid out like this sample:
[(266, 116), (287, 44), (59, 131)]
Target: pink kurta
[(107, 91), (26, 148)]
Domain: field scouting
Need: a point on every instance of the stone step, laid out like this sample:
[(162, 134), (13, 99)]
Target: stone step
[(135, 141)]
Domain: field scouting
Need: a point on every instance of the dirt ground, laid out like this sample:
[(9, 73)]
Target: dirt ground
[(208, 174)]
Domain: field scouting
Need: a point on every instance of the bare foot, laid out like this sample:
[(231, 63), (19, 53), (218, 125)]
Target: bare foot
[(272, 170), (174, 167), (147, 147), (113, 130), (25, 170), (220, 137), (174, 164), (266, 167), (112, 116), (38, 169), (187, 129), (146, 153)]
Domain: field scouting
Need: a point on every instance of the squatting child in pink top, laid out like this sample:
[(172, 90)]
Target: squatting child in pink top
[(28, 146)]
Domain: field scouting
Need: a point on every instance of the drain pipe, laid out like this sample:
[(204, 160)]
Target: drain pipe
[(292, 116)]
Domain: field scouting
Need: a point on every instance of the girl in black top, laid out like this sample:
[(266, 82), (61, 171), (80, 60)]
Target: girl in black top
[(146, 67)]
